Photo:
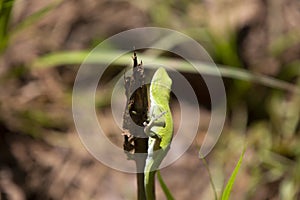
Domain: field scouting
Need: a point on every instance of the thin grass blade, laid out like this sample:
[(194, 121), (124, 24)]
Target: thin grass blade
[(164, 187), (107, 57), (227, 191)]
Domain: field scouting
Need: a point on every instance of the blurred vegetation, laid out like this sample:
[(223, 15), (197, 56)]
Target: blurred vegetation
[(255, 44)]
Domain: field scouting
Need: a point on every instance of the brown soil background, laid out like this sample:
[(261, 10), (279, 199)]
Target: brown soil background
[(44, 159)]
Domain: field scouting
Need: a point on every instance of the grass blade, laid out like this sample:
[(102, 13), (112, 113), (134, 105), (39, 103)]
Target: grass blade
[(164, 186), (5, 15), (227, 191), (35, 17), (210, 176), (106, 57)]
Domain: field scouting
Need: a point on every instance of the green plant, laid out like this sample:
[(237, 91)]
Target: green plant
[(227, 190), (5, 15), (7, 32)]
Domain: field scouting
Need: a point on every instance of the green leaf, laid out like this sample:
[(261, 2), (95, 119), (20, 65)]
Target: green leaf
[(164, 186), (227, 191)]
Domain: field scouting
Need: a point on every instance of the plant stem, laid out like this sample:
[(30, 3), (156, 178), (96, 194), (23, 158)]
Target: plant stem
[(150, 188), (135, 141)]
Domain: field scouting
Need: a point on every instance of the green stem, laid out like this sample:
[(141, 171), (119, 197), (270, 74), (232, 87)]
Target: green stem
[(164, 187), (150, 185), (210, 176)]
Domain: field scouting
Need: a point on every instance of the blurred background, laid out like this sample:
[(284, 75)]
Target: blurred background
[(42, 44)]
